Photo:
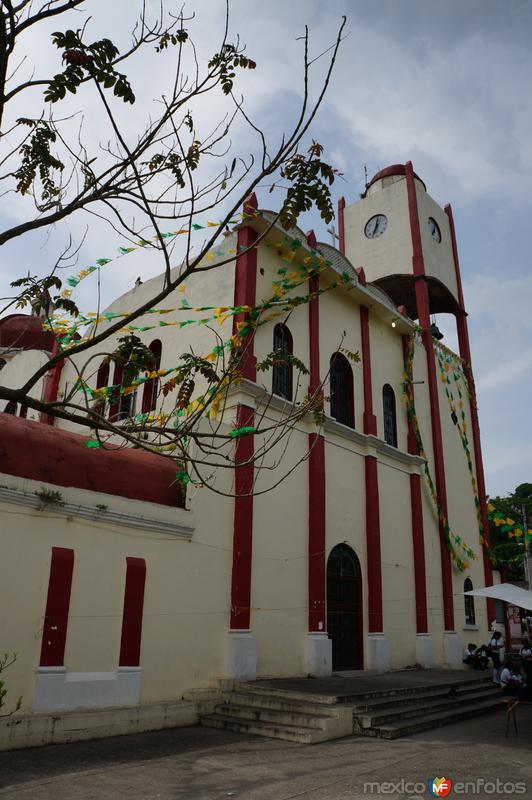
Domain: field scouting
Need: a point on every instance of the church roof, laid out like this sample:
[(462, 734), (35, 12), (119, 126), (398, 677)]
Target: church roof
[(51, 455), (25, 331)]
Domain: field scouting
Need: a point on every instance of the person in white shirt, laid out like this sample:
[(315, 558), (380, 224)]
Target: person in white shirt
[(510, 678), (526, 659), (496, 645)]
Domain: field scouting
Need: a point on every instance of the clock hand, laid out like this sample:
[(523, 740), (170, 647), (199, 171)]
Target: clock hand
[(375, 227)]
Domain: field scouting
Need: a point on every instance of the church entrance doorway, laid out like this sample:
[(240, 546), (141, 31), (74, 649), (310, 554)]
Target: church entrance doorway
[(344, 608)]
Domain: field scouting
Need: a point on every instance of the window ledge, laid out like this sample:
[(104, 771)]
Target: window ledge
[(470, 628)]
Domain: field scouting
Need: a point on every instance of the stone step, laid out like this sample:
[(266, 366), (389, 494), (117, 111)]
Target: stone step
[(281, 702), (290, 733), (257, 687), (395, 730), (377, 718), (380, 703), (291, 718)]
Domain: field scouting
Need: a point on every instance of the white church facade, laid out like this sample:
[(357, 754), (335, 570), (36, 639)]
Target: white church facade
[(117, 593)]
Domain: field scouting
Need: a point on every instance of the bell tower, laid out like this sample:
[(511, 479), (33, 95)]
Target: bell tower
[(398, 232), (407, 245)]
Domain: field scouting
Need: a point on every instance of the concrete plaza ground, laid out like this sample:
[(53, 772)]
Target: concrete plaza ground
[(204, 764)]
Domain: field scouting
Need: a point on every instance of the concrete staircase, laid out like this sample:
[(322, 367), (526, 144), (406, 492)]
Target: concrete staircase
[(392, 715), (281, 714)]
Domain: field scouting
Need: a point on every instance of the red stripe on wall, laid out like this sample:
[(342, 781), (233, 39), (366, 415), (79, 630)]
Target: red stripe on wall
[(418, 539), (423, 310), (341, 225), (243, 524), (370, 420), (316, 534), (245, 293), (57, 606), (51, 386), (373, 545), (314, 335), (132, 614), (465, 353), (418, 542)]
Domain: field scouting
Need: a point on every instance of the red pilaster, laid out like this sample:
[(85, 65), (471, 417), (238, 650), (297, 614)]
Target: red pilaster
[(423, 310), (370, 420), (373, 546), (341, 225), (243, 524), (246, 284), (316, 461), (51, 386), (316, 537), (418, 539), (132, 614), (465, 354), (373, 530), (57, 606)]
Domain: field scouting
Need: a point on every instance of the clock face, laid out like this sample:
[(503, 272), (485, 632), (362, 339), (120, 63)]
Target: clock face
[(434, 230), (376, 226)]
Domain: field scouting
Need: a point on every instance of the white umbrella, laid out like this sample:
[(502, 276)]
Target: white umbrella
[(506, 591)]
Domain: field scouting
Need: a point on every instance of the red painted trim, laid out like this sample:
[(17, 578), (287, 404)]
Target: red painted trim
[(243, 525), (316, 535), (423, 310), (245, 293), (418, 534), (418, 543), (314, 334), (394, 169), (57, 606), (51, 386), (370, 420), (373, 546), (341, 225), (465, 353), (418, 265), (132, 613), (311, 239), (51, 455), (361, 275)]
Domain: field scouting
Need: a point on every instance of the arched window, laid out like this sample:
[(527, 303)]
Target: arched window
[(390, 422), (11, 408), (151, 387), (282, 371), (469, 603), (342, 406)]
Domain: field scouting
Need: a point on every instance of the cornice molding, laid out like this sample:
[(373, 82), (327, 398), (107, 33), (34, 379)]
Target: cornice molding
[(102, 515)]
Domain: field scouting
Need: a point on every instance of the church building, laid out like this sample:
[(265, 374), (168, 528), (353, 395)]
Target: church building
[(119, 592)]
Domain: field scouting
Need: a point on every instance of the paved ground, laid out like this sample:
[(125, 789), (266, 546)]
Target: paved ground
[(204, 764)]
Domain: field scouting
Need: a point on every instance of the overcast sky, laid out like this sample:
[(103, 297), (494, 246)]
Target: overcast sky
[(444, 84)]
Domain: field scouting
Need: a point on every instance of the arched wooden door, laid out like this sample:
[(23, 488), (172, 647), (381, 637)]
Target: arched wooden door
[(344, 608)]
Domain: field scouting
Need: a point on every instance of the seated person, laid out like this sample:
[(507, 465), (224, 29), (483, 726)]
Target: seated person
[(475, 657), (510, 678)]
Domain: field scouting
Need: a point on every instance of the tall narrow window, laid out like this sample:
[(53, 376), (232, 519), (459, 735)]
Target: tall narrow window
[(102, 379), (469, 603), (121, 406), (342, 405), (390, 422), (282, 371), (151, 387), (11, 408)]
